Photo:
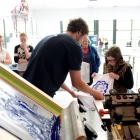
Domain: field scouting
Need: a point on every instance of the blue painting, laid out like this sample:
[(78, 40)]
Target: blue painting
[(101, 86)]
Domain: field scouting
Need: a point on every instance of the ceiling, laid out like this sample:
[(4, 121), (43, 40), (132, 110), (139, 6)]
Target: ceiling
[(7, 5), (69, 4)]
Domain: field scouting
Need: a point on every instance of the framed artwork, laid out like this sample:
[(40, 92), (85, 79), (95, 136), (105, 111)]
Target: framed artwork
[(26, 111)]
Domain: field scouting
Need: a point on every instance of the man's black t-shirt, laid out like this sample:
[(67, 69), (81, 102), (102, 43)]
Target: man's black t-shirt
[(50, 62)]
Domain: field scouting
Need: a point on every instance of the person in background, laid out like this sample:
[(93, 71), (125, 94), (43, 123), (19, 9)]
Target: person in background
[(4, 54), (106, 44), (100, 46), (90, 56), (57, 55), (118, 69), (22, 53)]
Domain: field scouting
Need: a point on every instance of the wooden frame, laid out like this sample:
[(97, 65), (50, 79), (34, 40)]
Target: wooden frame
[(20, 95), (29, 90)]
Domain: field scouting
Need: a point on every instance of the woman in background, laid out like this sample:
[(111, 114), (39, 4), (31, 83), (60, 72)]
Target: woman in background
[(4, 54), (118, 69), (22, 53), (90, 56)]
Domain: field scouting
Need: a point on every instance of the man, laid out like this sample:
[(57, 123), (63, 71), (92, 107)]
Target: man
[(55, 56)]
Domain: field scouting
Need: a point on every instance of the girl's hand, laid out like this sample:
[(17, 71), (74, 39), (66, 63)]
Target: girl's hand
[(114, 75), (93, 74)]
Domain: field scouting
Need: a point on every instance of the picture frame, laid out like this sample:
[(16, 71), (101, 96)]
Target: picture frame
[(25, 108)]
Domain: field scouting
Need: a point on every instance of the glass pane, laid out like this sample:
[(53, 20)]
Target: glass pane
[(65, 24), (9, 29), (123, 38), (106, 25), (136, 38), (106, 31), (123, 24), (136, 74), (1, 27), (136, 24), (91, 27), (106, 35)]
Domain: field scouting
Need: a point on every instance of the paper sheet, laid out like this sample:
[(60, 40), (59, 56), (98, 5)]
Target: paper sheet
[(85, 72), (103, 83)]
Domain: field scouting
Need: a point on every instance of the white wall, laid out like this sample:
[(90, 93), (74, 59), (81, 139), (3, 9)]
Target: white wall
[(48, 21)]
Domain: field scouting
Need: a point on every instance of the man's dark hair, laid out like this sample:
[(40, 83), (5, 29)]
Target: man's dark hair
[(78, 25)]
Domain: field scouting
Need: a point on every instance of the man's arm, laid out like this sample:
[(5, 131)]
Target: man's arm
[(81, 85), (65, 87)]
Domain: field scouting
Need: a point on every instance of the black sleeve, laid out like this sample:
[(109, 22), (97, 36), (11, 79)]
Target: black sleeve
[(74, 55), (127, 80), (75, 58), (31, 49), (16, 57), (97, 60)]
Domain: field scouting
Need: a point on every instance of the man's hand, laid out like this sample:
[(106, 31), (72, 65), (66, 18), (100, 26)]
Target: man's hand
[(73, 94), (97, 95)]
